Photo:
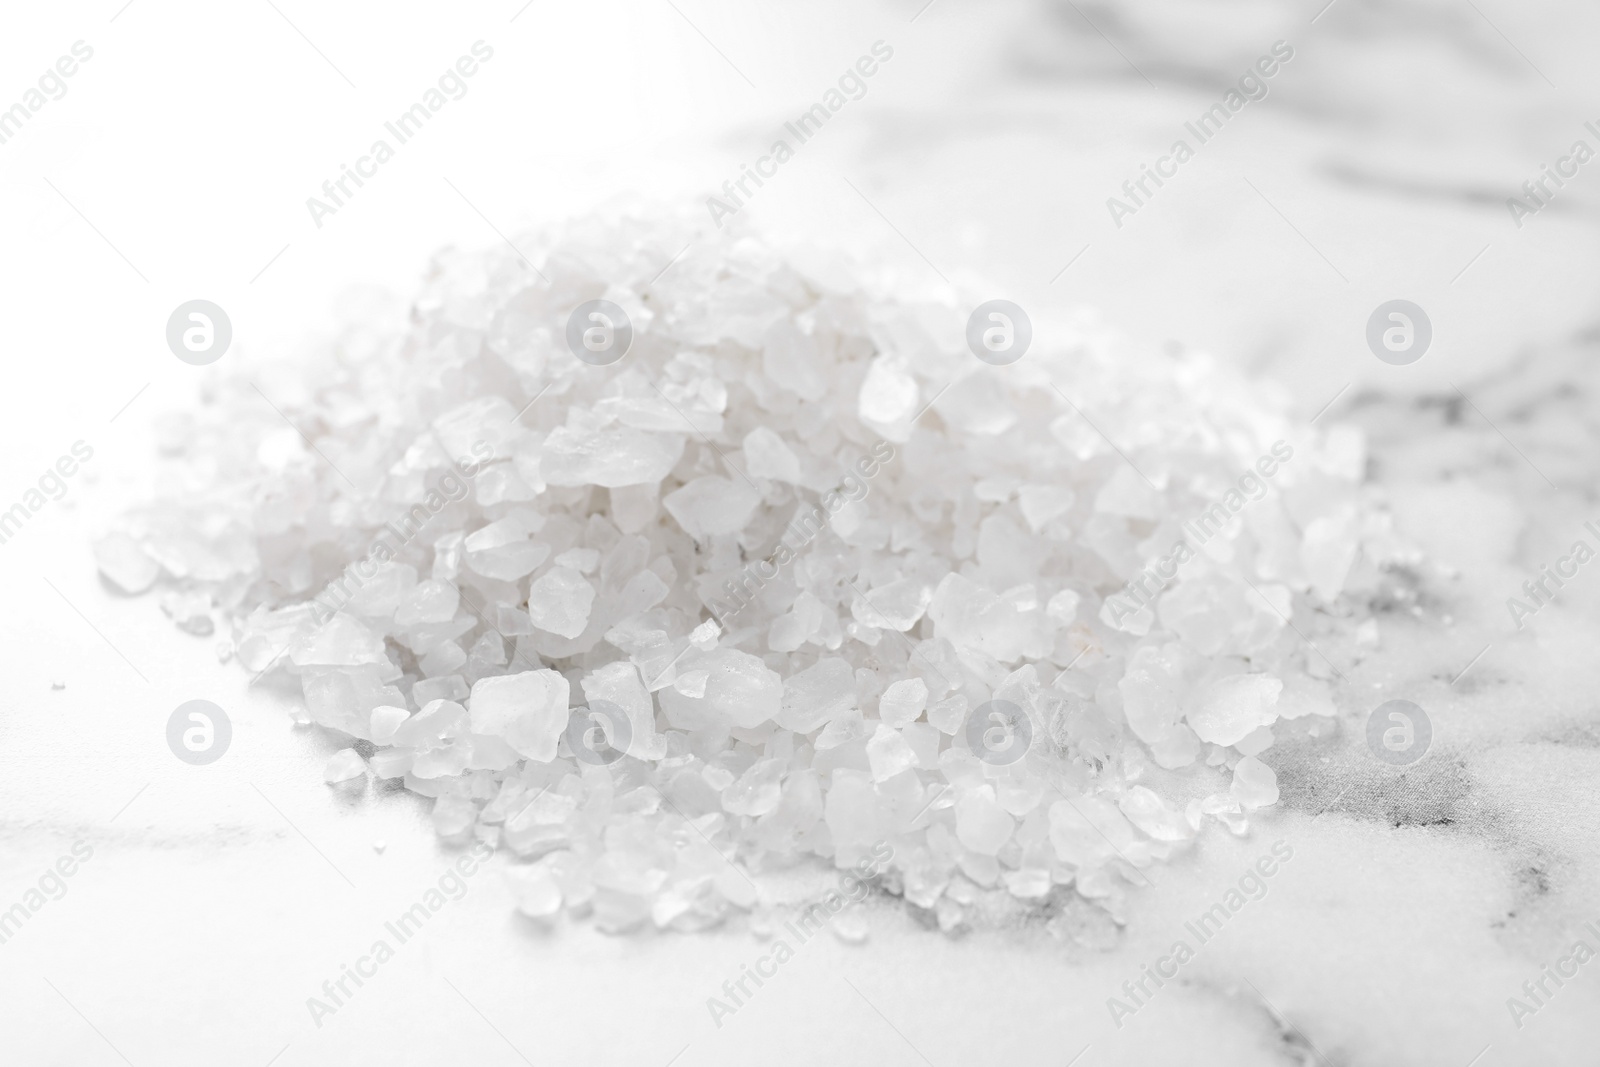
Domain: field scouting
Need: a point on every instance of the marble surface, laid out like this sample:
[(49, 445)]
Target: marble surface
[(218, 899)]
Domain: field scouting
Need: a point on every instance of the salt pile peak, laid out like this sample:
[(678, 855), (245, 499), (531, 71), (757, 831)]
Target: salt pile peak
[(797, 577)]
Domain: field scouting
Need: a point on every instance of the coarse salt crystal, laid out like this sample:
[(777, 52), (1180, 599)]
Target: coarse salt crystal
[(903, 702), (344, 765), (527, 710), (560, 600)]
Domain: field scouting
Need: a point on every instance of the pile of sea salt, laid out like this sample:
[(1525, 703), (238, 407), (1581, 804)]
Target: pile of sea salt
[(797, 579)]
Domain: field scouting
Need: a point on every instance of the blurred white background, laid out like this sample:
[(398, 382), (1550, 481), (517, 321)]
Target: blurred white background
[(1380, 163)]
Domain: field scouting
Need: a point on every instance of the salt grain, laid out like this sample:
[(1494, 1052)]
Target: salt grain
[(1254, 783), (527, 710), (888, 753), (903, 702), (344, 765), (711, 505), (124, 563), (559, 602), (851, 928)]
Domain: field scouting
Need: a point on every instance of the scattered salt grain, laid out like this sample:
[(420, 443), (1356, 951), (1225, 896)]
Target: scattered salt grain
[(850, 927), (344, 765), (190, 610), (763, 923), (538, 896), (124, 563), (950, 914), (1254, 783)]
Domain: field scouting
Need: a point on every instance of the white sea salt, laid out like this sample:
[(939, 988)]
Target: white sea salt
[(796, 537)]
